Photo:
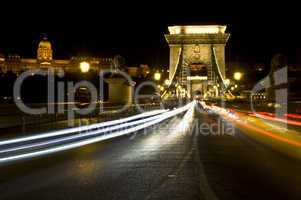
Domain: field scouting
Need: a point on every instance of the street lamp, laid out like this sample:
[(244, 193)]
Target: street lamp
[(84, 67), (166, 82), (157, 76), (237, 76), (161, 88)]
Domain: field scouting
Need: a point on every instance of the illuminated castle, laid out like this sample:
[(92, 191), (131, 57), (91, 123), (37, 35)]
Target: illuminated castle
[(16, 64), (44, 52)]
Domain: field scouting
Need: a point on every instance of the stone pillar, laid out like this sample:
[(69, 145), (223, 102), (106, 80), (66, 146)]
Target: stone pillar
[(120, 91)]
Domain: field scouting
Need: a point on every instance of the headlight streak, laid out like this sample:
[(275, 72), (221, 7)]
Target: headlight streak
[(81, 135), (81, 128), (76, 144), (224, 112)]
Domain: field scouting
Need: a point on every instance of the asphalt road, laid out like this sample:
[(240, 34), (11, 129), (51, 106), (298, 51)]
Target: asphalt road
[(158, 165), (237, 167)]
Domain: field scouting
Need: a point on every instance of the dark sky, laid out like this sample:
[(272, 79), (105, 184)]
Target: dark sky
[(136, 31)]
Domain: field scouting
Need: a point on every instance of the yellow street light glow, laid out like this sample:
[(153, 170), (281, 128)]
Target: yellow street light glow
[(166, 82), (232, 88), (84, 67), (235, 86), (157, 76), (237, 76)]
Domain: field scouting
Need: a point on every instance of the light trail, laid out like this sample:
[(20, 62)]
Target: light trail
[(271, 134), (282, 120), (97, 138), (247, 125), (296, 116), (81, 135), (81, 128), (287, 115)]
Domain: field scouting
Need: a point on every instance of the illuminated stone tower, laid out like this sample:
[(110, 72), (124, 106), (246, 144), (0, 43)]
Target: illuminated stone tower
[(197, 56), (44, 52)]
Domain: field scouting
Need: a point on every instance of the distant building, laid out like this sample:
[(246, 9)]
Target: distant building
[(45, 60), (259, 67), (139, 72), (145, 70), (133, 71)]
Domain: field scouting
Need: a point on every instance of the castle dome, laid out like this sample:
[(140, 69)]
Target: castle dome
[(44, 51), (45, 43)]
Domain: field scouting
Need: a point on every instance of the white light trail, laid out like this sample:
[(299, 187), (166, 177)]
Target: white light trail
[(97, 138), (81, 128), (81, 135)]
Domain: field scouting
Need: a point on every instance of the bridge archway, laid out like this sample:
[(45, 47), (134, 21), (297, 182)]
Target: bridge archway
[(197, 56)]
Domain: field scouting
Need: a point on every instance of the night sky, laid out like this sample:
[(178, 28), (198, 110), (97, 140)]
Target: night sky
[(136, 32)]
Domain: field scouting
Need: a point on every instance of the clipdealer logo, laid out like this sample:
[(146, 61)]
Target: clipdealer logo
[(56, 89)]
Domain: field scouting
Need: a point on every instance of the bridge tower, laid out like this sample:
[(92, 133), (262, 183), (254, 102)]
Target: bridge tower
[(197, 58)]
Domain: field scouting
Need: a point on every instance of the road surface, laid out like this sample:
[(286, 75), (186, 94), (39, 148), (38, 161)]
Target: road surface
[(163, 163)]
